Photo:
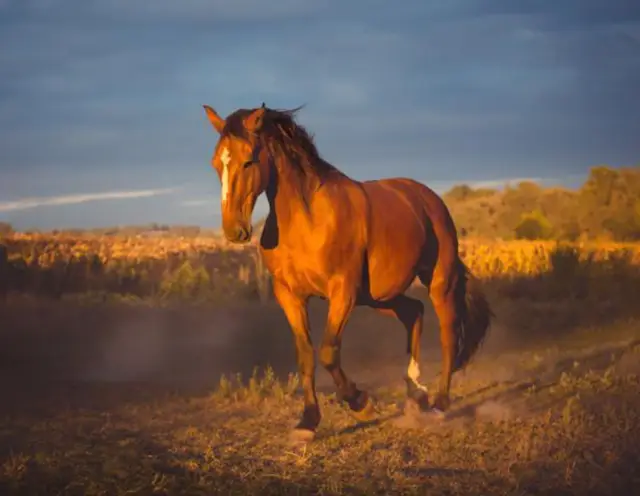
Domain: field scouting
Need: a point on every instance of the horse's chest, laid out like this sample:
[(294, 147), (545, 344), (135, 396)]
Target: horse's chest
[(301, 272)]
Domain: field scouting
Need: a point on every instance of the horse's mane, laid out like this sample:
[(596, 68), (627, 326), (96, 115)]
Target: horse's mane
[(286, 138)]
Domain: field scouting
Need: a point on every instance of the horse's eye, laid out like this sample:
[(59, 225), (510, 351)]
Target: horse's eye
[(248, 164)]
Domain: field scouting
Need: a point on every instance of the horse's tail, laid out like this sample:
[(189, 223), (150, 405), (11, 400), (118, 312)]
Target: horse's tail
[(474, 316)]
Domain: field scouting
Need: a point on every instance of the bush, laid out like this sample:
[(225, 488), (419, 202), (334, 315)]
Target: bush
[(186, 283), (533, 226)]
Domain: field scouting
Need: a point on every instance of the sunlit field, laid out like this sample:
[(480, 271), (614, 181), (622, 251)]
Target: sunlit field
[(159, 365), (209, 268)]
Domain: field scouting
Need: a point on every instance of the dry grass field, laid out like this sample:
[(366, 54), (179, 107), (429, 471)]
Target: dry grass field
[(120, 398)]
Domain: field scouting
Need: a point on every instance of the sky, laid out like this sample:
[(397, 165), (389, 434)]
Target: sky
[(101, 118)]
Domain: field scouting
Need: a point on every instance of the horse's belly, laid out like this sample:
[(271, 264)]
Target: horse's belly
[(391, 273), (396, 240)]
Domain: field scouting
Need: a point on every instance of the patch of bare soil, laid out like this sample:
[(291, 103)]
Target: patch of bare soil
[(114, 400)]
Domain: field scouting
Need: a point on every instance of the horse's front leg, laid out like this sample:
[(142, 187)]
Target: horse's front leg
[(295, 309), (341, 302)]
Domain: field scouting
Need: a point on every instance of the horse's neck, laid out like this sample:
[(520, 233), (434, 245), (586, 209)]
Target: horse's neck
[(287, 200)]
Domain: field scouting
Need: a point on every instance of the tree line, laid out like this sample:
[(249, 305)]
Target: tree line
[(605, 207)]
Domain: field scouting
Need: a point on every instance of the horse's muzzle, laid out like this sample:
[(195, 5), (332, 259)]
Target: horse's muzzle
[(239, 234)]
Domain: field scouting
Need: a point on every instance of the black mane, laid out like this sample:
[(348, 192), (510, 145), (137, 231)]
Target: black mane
[(284, 135)]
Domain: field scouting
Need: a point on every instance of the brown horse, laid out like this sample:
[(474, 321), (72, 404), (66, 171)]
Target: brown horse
[(350, 242)]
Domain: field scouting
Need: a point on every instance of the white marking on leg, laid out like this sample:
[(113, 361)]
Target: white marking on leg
[(413, 372), (225, 158)]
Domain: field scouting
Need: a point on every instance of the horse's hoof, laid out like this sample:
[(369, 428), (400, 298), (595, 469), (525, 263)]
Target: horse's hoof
[(367, 413), (437, 414), (301, 436), (417, 395), (421, 400), (441, 404), (414, 407)]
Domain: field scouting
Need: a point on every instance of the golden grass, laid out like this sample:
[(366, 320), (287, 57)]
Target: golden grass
[(484, 258), (51, 247), (530, 258)]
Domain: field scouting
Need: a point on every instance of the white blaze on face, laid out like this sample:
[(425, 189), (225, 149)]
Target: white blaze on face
[(413, 372), (225, 158)]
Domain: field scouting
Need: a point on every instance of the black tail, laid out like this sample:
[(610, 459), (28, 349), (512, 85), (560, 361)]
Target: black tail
[(474, 316)]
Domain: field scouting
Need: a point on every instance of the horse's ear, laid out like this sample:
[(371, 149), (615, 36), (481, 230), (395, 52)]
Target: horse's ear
[(255, 119), (216, 120)]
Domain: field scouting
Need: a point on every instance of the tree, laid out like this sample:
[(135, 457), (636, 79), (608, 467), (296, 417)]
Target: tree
[(533, 225), (458, 193), (625, 226), (465, 192)]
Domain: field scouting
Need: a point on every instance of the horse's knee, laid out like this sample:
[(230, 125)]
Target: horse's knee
[(329, 356)]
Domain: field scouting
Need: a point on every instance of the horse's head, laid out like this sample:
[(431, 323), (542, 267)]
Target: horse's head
[(243, 164)]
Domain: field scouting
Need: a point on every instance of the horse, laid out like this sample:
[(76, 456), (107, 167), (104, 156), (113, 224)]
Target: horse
[(352, 243)]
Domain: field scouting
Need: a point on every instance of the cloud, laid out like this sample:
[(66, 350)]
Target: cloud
[(199, 203), (261, 207), (208, 10), (27, 203)]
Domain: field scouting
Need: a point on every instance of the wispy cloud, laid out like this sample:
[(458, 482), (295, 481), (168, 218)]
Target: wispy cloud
[(261, 207), (199, 203), (209, 10), (25, 203)]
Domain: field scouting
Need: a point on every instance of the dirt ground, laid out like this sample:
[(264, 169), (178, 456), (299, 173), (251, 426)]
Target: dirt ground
[(116, 399)]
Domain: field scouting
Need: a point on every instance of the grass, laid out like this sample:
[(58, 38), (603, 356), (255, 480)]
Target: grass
[(562, 421)]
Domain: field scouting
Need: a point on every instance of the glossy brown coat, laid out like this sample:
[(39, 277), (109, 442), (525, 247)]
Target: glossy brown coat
[(350, 242)]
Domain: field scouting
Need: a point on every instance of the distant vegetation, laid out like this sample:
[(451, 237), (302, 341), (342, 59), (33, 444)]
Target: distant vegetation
[(606, 207), (206, 270)]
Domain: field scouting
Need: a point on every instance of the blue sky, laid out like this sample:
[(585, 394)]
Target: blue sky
[(101, 119)]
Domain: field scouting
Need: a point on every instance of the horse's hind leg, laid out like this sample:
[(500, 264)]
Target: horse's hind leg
[(410, 312), (441, 285)]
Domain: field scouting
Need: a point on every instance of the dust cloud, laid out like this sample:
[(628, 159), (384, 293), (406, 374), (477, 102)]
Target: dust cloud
[(184, 346), (190, 347)]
